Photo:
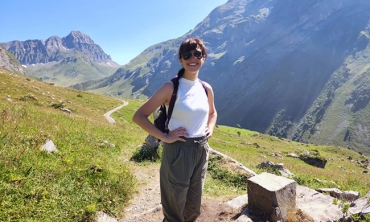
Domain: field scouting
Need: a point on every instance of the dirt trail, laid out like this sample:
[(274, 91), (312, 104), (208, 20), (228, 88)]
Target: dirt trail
[(146, 204), (107, 115)]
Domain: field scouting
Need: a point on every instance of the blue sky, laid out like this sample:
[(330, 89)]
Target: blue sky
[(122, 28)]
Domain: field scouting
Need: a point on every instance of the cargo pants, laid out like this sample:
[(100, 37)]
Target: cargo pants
[(182, 175)]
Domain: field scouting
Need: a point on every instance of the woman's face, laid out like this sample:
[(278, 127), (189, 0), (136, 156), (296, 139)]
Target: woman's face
[(192, 60)]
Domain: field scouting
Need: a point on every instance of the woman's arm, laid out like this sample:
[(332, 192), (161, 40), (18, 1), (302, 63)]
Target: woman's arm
[(162, 95), (212, 118)]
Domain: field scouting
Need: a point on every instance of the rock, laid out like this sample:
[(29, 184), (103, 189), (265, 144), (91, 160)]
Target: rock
[(245, 216), (266, 164), (238, 202), (336, 193), (317, 205), (286, 173), (350, 195), (66, 110), (151, 142), (314, 160), (103, 217), (360, 204), (49, 146), (366, 210), (333, 192), (272, 195), (279, 167), (293, 155)]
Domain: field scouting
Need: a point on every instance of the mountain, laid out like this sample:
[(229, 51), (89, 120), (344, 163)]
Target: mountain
[(294, 69), (64, 61), (9, 62)]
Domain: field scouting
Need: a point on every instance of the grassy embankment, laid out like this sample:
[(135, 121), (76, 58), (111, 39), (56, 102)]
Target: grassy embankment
[(89, 172)]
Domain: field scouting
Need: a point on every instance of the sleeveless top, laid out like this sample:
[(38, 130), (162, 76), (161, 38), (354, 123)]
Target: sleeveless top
[(191, 108)]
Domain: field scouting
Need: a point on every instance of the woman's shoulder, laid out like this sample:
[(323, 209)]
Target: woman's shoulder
[(205, 84), (167, 87)]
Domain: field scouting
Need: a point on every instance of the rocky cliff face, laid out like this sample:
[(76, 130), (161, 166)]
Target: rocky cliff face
[(63, 61), (55, 49), (8, 62)]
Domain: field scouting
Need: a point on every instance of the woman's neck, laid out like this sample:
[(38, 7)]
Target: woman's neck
[(190, 76)]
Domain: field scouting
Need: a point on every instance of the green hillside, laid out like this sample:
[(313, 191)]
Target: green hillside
[(91, 171), (87, 174), (71, 70)]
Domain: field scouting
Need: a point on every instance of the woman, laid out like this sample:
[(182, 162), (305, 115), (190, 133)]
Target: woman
[(185, 147)]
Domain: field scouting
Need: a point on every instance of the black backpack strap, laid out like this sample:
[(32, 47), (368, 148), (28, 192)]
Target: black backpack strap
[(204, 86), (175, 82)]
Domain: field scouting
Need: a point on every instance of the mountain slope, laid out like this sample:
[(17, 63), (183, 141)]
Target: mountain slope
[(70, 70), (9, 62), (269, 61), (341, 114), (64, 61)]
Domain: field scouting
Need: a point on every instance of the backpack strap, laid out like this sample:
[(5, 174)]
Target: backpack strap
[(204, 86), (175, 82)]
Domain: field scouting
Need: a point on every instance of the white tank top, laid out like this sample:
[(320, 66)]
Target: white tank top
[(191, 108)]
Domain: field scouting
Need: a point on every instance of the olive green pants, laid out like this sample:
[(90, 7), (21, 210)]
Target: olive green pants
[(182, 175)]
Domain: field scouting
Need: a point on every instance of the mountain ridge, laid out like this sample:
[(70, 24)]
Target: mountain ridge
[(63, 61), (42, 51)]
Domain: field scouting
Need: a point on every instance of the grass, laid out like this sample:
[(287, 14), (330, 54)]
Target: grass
[(90, 171), (342, 170), (86, 175)]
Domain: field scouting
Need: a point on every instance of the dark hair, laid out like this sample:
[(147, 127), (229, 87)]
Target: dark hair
[(188, 45)]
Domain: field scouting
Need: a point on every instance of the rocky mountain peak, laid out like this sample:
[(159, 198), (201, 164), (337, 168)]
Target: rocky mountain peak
[(44, 51), (54, 44), (76, 38)]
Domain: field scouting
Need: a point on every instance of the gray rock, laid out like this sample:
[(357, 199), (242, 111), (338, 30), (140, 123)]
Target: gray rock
[(274, 196), (366, 210), (151, 142), (49, 146), (350, 195), (68, 111), (333, 192), (293, 155), (103, 217), (238, 202), (317, 205), (360, 205)]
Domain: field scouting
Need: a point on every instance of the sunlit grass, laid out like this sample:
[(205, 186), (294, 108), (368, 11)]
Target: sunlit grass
[(342, 170), (86, 175)]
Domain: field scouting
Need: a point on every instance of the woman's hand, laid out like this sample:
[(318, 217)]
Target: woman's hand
[(209, 132), (177, 135)]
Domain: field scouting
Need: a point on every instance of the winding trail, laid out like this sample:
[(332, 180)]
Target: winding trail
[(107, 115)]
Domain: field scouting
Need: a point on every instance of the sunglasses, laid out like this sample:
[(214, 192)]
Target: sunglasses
[(197, 54)]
